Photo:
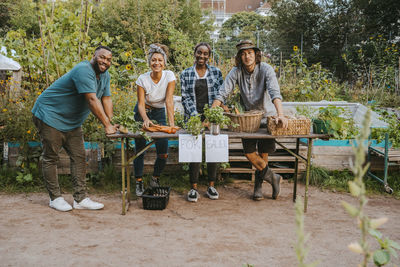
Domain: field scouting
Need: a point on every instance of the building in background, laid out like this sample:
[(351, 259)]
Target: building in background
[(224, 9)]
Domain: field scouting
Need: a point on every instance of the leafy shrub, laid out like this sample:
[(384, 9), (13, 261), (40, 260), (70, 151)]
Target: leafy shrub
[(300, 82)]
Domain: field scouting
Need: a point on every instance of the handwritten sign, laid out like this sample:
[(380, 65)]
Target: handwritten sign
[(190, 148), (217, 148)]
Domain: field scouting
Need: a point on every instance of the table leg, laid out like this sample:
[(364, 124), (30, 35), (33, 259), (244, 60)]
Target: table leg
[(296, 170), (128, 176), (308, 172), (123, 163)]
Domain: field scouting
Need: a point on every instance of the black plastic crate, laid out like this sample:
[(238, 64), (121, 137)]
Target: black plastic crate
[(156, 198)]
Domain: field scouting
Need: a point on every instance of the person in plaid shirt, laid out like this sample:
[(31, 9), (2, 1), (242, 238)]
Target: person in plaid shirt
[(200, 85)]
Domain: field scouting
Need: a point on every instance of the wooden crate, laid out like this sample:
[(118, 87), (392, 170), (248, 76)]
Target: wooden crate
[(93, 159), (280, 161)]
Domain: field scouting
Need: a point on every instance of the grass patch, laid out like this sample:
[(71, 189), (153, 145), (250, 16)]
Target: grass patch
[(338, 181), (109, 181)]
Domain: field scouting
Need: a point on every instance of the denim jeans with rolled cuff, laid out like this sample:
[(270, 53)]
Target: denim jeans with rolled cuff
[(158, 115)]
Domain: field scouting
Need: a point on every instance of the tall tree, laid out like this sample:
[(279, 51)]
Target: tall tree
[(294, 21), (242, 25), (379, 17), (141, 22)]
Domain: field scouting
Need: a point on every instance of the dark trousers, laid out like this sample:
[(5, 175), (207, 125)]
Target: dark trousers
[(53, 140), (194, 170), (157, 114)]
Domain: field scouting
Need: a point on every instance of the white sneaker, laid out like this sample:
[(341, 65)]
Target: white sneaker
[(60, 204), (212, 193), (193, 195), (88, 204)]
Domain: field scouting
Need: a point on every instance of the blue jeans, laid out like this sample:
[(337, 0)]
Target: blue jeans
[(157, 114)]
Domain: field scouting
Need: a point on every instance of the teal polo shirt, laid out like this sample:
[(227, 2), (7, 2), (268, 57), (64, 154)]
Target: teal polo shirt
[(63, 105)]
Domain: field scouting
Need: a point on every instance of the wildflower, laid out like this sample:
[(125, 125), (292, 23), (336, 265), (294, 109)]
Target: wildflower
[(128, 54), (371, 37), (380, 35), (395, 50), (38, 93), (28, 132), (326, 81), (128, 67), (295, 48), (4, 110)]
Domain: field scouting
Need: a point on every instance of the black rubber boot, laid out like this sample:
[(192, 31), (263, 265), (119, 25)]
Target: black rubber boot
[(258, 187), (274, 179)]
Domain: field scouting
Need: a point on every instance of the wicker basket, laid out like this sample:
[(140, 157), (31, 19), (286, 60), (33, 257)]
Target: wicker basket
[(156, 198), (296, 126), (248, 122)]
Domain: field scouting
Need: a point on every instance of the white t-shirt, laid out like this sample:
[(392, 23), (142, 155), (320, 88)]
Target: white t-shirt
[(155, 92)]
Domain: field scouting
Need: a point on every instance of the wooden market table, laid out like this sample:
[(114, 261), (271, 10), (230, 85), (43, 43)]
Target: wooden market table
[(260, 134)]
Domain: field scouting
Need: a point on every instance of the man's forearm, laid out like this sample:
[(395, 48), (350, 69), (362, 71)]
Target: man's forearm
[(108, 106), (278, 106), (97, 109)]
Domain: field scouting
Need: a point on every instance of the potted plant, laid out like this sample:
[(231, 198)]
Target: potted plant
[(215, 116), (194, 126)]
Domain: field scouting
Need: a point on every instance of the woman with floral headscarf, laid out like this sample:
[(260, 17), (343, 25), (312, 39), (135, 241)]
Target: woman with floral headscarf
[(155, 96)]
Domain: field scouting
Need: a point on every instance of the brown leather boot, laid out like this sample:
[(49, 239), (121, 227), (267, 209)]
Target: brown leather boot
[(274, 179), (258, 187)]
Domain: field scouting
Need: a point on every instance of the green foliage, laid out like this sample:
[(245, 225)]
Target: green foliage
[(64, 42), (368, 226), (338, 122), (301, 82), (393, 130), (318, 175), (194, 125), (18, 14), (234, 103), (127, 120), (177, 24), (216, 115), (373, 68), (241, 26), (294, 18), (333, 120), (179, 119)]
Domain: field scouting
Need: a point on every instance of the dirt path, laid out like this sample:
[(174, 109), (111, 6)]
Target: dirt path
[(231, 231)]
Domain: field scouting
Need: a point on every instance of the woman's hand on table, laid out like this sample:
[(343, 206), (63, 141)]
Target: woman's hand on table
[(147, 123)]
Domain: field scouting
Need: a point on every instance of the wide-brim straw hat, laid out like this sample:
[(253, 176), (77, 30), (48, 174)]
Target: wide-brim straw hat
[(246, 44)]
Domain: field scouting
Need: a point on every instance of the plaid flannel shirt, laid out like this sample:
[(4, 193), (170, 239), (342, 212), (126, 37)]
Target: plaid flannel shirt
[(188, 81)]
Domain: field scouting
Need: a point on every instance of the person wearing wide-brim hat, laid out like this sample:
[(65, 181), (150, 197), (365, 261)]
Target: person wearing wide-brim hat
[(255, 79)]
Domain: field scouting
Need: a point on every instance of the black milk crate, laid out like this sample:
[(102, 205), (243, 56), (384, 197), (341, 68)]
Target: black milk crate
[(156, 198)]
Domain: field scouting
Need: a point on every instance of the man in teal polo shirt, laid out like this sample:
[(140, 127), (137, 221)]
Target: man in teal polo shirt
[(59, 113)]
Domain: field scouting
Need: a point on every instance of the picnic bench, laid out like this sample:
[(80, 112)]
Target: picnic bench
[(260, 134)]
